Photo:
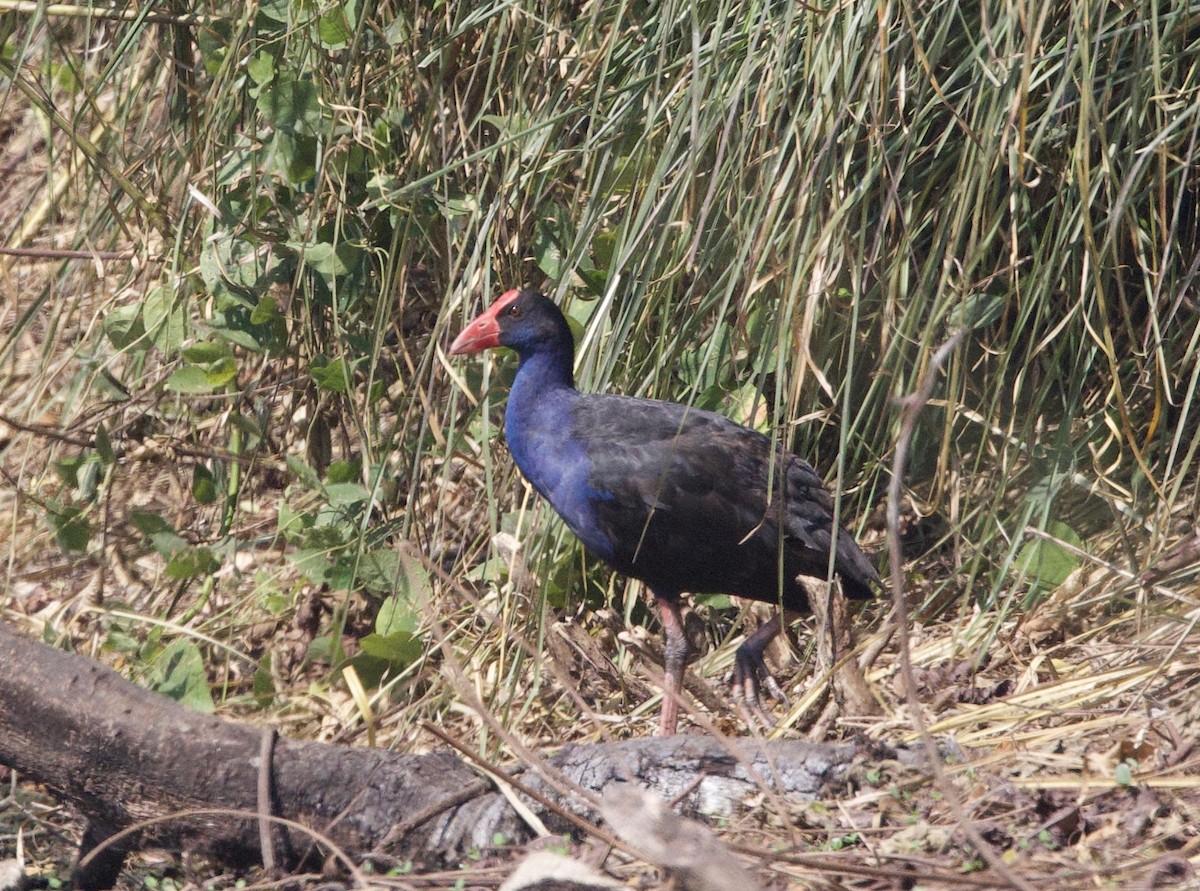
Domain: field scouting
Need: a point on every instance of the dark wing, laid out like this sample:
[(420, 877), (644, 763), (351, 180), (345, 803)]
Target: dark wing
[(688, 500), (809, 527)]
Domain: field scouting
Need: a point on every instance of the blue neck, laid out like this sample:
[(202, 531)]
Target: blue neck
[(539, 426), (538, 416), (541, 372)]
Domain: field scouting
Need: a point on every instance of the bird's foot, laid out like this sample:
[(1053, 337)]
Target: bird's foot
[(750, 677)]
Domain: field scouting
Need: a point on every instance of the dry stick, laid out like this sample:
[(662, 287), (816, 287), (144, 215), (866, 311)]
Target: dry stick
[(266, 761), (1125, 574), (912, 406), (565, 786), (688, 789), (1165, 864), (80, 10), (63, 253), (769, 791), (436, 570), (609, 839), (85, 146), (532, 760)]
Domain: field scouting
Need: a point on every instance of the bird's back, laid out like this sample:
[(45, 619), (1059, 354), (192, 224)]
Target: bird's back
[(688, 500)]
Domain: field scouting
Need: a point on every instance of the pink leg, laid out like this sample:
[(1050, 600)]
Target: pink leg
[(674, 655)]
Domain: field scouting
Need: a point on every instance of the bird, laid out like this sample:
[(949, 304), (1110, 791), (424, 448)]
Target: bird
[(684, 499)]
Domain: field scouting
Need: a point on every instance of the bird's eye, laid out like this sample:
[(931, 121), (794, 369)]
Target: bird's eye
[(514, 311)]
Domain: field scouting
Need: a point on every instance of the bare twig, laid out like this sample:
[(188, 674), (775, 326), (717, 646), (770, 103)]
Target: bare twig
[(266, 757), (76, 10), (62, 253), (912, 406)]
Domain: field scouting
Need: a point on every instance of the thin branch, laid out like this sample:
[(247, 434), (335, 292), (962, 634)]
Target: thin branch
[(912, 406)]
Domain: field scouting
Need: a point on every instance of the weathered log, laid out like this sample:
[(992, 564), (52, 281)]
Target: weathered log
[(122, 755)]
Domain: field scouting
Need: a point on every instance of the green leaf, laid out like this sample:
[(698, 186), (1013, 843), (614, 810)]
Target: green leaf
[(192, 562), (398, 31), (293, 156), (124, 328), (346, 494), (222, 373), (400, 649), (104, 445), (332, 375), (745, 405), (395, 614), (263, 685), (547, 249), (334, 28), (184, 560), (213, 45), (168, 543), (293, 524), (342, 574), (264, 312), (68, 470), (121, 641), (204, 485), (164, 319), (604, 248), (313, 563), (344, 471), (1046, 564), (261, 68), (324, 258), (189, 380), (71, 528), (179, 674), (303, 472), (233, 325), (149, 524), (206, 353), (275, 10), (200, 379), (235, 269), (88, 478), (394, 571), (291, 104)]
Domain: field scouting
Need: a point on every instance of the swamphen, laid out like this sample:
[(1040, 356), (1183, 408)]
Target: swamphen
[(681, 498)]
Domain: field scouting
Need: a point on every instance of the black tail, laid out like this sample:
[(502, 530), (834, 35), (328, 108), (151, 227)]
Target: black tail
[(860, 581)]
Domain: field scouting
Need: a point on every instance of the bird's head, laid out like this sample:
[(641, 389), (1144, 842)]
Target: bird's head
[(524, 321)]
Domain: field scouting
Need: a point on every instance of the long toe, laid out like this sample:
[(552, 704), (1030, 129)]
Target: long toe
[(750, 677), (753, 713)]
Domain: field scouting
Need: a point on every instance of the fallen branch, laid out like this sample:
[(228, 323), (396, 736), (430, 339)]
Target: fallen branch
[(128, 759)]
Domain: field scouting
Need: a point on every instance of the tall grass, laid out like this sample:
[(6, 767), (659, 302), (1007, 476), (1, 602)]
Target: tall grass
[(768, 208)]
